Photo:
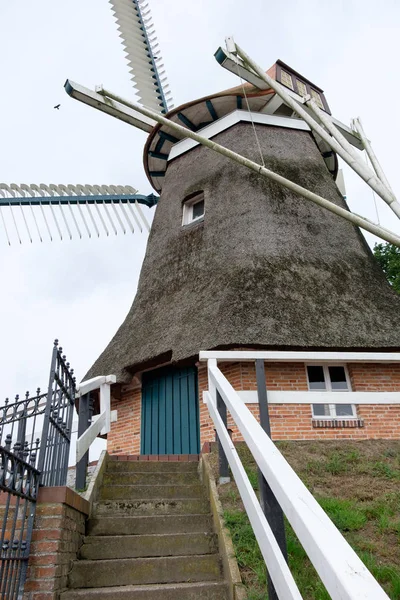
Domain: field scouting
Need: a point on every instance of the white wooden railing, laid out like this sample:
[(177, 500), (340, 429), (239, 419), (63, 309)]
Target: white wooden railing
[(341, 571), (101, 423)]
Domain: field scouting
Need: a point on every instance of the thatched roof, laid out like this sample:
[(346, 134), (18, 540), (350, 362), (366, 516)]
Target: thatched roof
[(266, 269)]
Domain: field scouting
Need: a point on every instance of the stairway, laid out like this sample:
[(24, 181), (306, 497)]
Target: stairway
[(150, 538)]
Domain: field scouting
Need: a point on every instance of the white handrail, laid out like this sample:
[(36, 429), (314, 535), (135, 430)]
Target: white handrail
[(300, 356), (101, 423), (94, 384), (342, 572), (281, 576)]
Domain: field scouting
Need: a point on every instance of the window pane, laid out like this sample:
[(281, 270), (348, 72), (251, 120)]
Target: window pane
[(316, 378), (198, 209), (317, 98), (321, 410), (286, 79), (301, 88), (338, 378), (344, 410)]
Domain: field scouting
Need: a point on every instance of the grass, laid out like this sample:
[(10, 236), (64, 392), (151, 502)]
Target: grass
[(356, 483)]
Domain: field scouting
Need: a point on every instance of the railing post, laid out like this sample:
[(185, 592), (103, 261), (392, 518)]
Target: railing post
[(268, 502), (83, 424), (43, 450), (223, 461)]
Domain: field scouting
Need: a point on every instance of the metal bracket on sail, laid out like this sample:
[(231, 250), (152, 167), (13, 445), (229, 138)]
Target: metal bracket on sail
[(71, 209)]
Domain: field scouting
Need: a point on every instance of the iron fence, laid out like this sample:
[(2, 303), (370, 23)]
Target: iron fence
[(59, 412), (35, 435)]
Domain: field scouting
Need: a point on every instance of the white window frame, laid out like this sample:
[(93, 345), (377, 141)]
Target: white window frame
[(187, 213), (328, 383)]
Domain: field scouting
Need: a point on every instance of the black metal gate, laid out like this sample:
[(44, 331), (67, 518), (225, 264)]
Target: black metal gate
[(35, 436)]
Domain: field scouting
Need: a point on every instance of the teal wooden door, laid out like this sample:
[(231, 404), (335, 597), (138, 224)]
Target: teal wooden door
[(170, 412)]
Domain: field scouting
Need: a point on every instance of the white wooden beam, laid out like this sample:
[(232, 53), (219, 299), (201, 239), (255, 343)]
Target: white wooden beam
[(341, 570), (294, 356), (314, 397), (115, 109), (94, 384), (84, 442), (278, 569)]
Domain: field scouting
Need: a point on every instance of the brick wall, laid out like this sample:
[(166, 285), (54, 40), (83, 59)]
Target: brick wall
[(374, 377), (124, 437), (57, 536), (292, 421)]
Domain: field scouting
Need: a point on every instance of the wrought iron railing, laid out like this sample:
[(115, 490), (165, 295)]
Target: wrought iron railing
[(57, 426), (35, 435)]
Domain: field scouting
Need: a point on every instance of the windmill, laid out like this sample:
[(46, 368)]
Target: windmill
[(65, 211), (252, 243), (280, 98), (281, 102)]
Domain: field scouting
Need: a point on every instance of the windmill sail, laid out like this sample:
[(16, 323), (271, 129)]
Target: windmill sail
[(39, 212), (141, 46)]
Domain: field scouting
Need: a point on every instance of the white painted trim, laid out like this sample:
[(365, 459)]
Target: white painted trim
[(187, 209), (115, 109), (93, 384), (317, 357), (281, 576), (342, 572), (105, 406), (86, 439), (237, 116), (101, 423), (287, 397), (325, 366)]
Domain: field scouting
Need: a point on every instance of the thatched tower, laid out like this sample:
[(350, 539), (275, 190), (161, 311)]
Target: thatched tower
[(262, 267)]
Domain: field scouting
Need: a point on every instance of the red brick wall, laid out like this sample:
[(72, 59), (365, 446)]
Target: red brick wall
[(294, 421), (374, 377), (124, 437), (289, 421), (57, 536)]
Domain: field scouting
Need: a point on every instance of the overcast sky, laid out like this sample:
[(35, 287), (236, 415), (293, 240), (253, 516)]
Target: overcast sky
[(80, 291)]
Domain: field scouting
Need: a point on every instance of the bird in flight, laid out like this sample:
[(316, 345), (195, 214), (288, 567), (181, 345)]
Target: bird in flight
[(57, 106)]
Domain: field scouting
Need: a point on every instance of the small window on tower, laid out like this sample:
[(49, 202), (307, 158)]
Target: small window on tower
[(286, 79), (317, 97), (302, 89), (193, 209)]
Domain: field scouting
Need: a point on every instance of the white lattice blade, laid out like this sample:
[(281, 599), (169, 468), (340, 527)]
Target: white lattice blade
[(66, 210), (136, 28)]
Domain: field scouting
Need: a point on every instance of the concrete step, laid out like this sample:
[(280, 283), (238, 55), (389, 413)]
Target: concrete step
[(142, 546), (152, 506), (132, 492), (147, 525), (151, 478), (138, 466), (210, 590), (139, 571)]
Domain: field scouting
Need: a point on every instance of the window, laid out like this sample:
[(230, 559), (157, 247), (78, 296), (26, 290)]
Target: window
[(286, 79), (193, 209), (317, 97), (301, 87), (330, 378)]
